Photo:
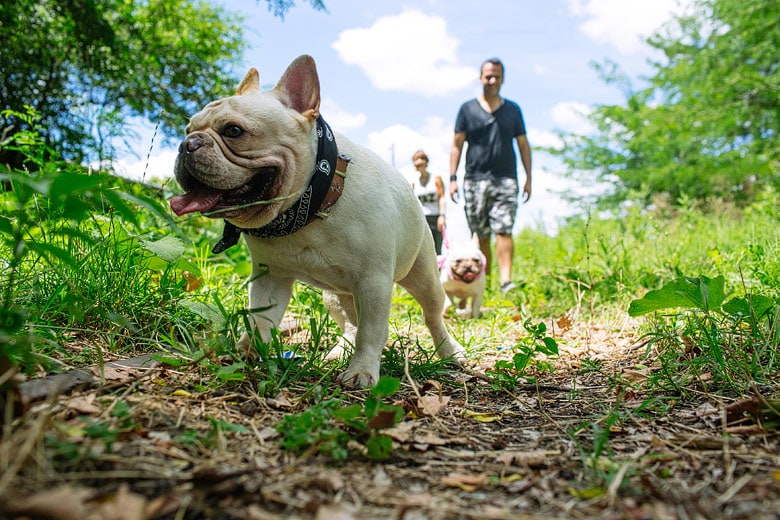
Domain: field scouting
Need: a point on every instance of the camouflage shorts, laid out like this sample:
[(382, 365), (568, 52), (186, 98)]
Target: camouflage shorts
[(491, 205)]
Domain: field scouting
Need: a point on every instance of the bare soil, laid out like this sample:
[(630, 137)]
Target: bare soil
[(538, 452)]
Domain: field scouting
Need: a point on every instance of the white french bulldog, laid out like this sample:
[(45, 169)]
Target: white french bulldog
[(463, 278), (262, 161)]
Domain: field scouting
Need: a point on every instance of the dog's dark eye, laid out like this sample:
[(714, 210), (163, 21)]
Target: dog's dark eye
[(232, 131)]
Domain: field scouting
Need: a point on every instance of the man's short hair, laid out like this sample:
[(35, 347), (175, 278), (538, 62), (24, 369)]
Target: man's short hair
[(493, 61)]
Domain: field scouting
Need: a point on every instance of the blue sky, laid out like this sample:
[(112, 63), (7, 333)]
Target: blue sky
[(393, 74)]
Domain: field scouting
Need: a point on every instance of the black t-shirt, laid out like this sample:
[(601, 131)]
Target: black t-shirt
[(491, 153)]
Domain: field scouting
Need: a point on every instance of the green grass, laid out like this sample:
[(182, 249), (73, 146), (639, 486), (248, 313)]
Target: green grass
[(92, 261)]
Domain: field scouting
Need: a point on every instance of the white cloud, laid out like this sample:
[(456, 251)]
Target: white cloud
[(160, 167), (570, 116), (624, 24), (397, 143), (410, 52), (339, 118), (542, 138)]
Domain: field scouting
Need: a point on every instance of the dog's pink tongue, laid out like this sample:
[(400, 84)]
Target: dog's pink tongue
[(200, 200), (469, 277)]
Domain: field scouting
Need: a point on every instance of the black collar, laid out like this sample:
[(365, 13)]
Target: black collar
[(310, 205)]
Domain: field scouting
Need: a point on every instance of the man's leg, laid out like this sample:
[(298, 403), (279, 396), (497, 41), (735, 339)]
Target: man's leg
[(502, 215), (484, 246), (505, 249)]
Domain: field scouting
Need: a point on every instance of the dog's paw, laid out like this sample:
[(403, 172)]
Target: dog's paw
[(454, 351), (353, 378), (464, 313), (245, 347)]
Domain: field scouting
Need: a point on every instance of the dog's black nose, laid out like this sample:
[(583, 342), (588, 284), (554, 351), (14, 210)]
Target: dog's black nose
[(191, 143)]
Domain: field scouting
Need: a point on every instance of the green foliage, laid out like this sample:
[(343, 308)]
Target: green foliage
[(701, 293), (421, 363), (373, 416), (74, 255), (88, 67), (208, 439), (706, 126), (317, 428), (708, 340), (508, 374), (314, 430), (596, 455)]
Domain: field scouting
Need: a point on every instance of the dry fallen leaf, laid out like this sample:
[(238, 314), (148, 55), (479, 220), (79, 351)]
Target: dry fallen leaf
[(432, 404), (531, 459), (429, 439), (482, 417), (329, 481), (564, 323), (62, 503), (465, 482), (114, 373), (124, 505), (76, 503), (191, 282), (337, 511), (84, 404), (382, 420), (636, 376), (401, 432), (279, 402)]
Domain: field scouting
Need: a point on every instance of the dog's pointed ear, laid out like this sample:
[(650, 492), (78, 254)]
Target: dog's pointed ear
[(250, 83), (300, 87)]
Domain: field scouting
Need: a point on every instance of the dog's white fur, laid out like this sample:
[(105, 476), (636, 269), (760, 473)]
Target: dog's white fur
[(375, 235), (458, 259)]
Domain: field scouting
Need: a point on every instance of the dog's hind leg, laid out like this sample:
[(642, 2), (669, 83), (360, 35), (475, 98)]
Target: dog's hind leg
[(341, 308), (424, 285)]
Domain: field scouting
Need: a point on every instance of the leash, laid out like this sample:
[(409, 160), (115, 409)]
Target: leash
[(445, 247)]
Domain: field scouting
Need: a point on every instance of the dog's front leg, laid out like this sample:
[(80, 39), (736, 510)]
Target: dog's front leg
[(268, 300), (372, 305), (476, 305)]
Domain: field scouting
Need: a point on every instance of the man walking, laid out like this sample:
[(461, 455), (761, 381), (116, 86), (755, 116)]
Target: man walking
[(490, 124)]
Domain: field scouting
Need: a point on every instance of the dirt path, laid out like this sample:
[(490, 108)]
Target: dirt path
[(160, 445)]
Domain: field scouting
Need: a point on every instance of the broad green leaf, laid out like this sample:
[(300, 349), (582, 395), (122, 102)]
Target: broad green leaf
[(386, 386), (71, 183), (700, 293), (169, 248), (6, 227), (754, 305), (379, 447), (39, 186), (205, 311)]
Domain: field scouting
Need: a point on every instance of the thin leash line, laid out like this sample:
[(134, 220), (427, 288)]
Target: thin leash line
[(151, 145)]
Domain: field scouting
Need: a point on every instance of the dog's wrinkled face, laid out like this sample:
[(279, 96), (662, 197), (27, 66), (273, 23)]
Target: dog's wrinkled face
[(466, 264), (243, 158)]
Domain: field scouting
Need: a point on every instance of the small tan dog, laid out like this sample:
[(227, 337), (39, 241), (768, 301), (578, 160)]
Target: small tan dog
[(463, 278), (267, 163)]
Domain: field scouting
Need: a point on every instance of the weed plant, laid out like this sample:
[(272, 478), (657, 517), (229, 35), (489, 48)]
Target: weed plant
[(88, 259)]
